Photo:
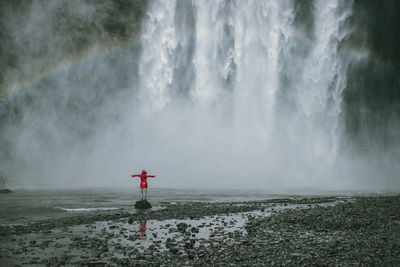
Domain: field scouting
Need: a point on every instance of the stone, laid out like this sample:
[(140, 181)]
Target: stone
[(5, 191), (182, 226), (142, 205), (142, 262), (173, 250)]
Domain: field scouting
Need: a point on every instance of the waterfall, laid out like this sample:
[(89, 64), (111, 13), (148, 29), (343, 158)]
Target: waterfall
[(319, 87), (159, 42), (263, 83), (205, 93)]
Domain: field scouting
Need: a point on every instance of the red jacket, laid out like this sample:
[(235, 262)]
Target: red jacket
[(143, 178)]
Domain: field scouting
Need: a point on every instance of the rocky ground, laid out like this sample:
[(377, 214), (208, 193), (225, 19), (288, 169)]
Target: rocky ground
[(303, 231)]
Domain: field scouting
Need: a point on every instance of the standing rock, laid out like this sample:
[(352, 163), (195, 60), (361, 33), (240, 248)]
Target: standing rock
[(142, 205)]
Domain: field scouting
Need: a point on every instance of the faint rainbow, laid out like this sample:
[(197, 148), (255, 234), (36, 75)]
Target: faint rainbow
[(88, 54)]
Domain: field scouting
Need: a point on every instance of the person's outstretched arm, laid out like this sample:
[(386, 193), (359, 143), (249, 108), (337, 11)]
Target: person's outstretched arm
[(152, 176), (135, 175)]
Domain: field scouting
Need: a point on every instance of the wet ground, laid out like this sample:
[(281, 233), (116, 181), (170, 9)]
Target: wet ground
[(303, 231)]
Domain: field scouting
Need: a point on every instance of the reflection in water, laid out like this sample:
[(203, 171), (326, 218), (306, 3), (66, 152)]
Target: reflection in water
[(142, 228)]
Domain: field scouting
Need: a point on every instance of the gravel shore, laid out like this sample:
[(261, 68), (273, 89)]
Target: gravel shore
[(299, 231)]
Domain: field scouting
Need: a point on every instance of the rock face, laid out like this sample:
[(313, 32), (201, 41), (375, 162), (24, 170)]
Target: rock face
[(142, 205), (5, 191)]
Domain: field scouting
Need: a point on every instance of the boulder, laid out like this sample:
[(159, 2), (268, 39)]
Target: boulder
[(142, 205), (5, 191), (182, 227)]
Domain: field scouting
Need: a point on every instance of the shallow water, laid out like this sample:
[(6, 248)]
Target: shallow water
[(28, 205)]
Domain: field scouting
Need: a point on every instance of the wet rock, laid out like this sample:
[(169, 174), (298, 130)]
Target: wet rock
[(141, 263), (182, 226), (170, 242), (190, 244), (53, 261), (172, 230), (173, 250), (194, 230), (5, 191), (142, 205), (97, 264)]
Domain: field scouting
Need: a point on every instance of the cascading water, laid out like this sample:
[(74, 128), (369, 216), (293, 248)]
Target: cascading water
[(263, 100), (238, 94), (156, 68), (322, 80)]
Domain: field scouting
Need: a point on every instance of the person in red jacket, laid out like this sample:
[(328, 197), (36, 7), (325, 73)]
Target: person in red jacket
[(143, 182)]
